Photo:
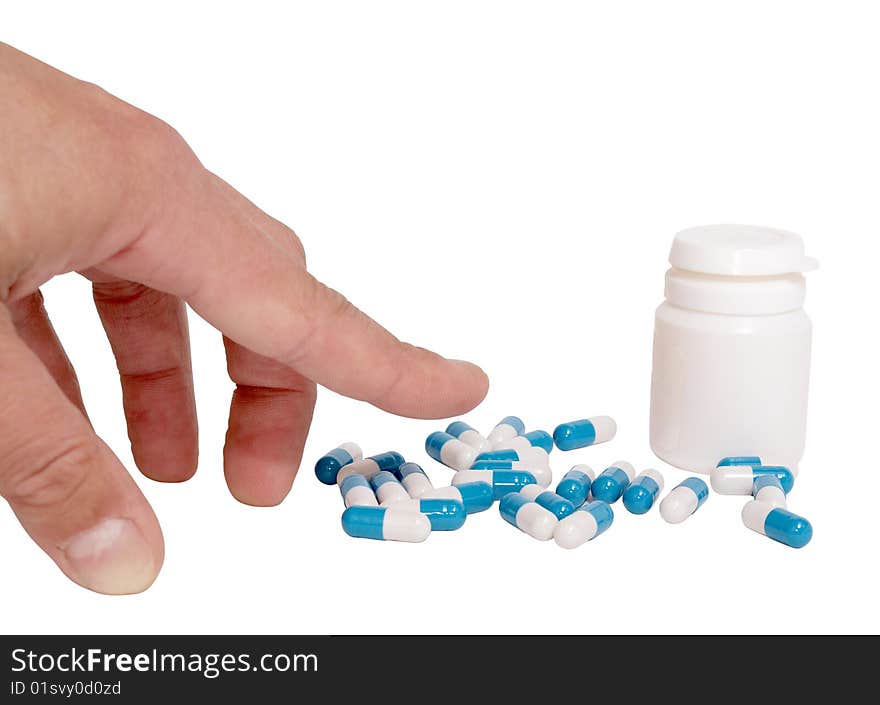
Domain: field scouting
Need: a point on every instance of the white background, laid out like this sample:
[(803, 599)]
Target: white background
[(499, 182)]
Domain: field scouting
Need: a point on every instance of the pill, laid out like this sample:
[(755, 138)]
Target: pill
[(740, 479), (502, 481), (469, 436), (585, 432), (585, 524), (542, 473), (528, 516), (777, 523), (414, 480), (385, 524), (739, 460), (449, 450), (356, 492), (475, 496), (388, 488), (509, 427), (328, 465), (612, 481), (368, 467), (444, 514), (768, 488), (684, 500), (532, 439), (551, 501), (642, 492), (575, 484)]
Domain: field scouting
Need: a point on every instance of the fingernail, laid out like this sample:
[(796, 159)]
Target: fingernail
[(112, 557)]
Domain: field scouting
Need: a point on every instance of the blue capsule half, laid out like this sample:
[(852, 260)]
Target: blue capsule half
[(476, 496), (444, 514), (390, 461), (328, 466), (739, 460), (489, 455), (539, 439), (574, 486), (780, 472), (788, 528), (640, 496), (610, 485), (560, 506)]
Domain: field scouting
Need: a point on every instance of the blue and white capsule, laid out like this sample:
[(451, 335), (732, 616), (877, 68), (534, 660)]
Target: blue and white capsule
[(469, 436), (777, 523), (388, 488), (551, 501), (475, 496), (503, 482), (509, 427), (740, 479), (329, 464), (590, 520), (541, 472), (612, 481), (642, 493), (369, 467), (684, 500), (528, 516), (532, 439), (584, 432), (739, 460), (356, 492), (444, 514), (575, 484), (384, 524), (414, 480), (450, 451), (768, 488)]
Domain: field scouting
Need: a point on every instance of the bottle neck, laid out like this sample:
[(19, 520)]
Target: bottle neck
[(738, 296)]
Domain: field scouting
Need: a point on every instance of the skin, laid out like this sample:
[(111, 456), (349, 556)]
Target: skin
[(91, 184)]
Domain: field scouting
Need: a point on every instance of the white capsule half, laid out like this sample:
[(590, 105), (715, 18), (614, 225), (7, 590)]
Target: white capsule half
[(575, 530), (684, 500), (414, 480), (527, 516), (391, 493), (450, 451), (768, 489), (357, 492), (469, 436), (365, 466), (509, 427)]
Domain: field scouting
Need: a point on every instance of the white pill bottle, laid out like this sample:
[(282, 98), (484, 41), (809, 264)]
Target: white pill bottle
[(732, 348)]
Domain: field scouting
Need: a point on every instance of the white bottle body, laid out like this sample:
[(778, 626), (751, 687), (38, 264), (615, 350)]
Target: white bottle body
[(728, 384)]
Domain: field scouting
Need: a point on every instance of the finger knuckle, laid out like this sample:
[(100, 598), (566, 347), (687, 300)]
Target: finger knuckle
[(54, 476), (322, 309)]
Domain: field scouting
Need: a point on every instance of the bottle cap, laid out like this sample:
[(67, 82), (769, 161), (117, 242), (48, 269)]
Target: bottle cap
[(739, 250)]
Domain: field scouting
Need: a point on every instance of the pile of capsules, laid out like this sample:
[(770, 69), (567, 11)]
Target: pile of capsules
[(389, 499)]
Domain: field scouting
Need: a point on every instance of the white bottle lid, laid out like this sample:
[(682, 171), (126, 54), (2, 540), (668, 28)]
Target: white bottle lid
[(739, 251)]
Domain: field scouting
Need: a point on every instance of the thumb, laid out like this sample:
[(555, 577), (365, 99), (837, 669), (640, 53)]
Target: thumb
[(244, 272), (66, 487)]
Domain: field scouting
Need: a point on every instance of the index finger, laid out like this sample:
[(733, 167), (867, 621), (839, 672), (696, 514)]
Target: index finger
[(244, 273)]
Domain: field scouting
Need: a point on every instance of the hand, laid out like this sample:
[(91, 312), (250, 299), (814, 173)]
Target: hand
[(91, 184)]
